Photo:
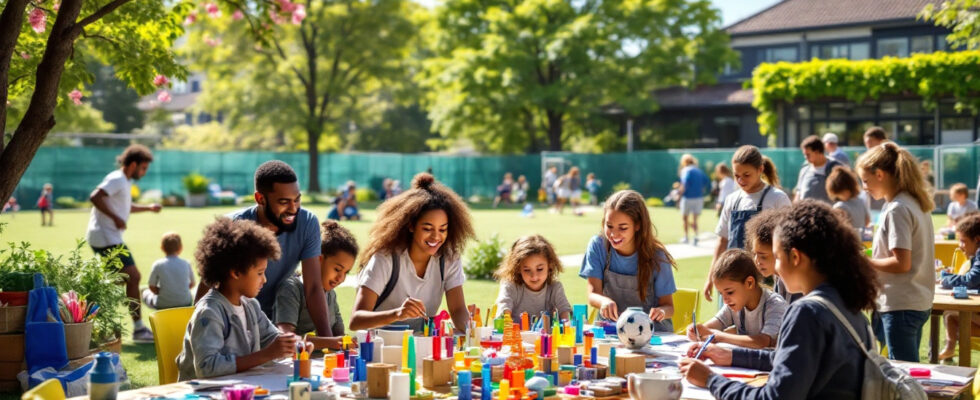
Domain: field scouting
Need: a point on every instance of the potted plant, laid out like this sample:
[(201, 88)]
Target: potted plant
[(197, 189)]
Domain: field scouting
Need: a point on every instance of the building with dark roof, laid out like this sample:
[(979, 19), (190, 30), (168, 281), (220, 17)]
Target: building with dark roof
[(802, 30)]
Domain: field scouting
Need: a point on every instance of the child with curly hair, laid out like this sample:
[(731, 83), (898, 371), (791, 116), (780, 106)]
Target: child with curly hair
[(529, 279)]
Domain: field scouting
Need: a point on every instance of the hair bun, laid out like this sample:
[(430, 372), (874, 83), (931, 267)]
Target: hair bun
[(329, 225), (423, 181)]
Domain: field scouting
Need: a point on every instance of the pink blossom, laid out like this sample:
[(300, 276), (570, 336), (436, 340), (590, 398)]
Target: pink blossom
[(160, 80), (76, 97), (38, 20), (212, 41), (237, 15), (163, 97), (287, 6), (56, 7), (191, 18), (24, 55), (276, 18), (299, 14), (213, 10)]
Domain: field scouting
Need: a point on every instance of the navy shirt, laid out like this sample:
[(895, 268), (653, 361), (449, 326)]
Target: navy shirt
[(298, 245), (971, 279)]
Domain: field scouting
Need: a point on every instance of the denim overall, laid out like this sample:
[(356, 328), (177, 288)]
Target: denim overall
[(736, 225), (622, 290)]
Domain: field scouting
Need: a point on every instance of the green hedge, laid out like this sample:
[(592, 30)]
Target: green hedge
[(931, 77)]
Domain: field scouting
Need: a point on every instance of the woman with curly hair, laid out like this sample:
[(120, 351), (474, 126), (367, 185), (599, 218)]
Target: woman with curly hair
[(412, 257)]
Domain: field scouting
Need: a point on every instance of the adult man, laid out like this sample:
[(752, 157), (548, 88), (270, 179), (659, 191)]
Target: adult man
[(812, 181), (874, 136), (297, 230), (833, 150), (112, 203)]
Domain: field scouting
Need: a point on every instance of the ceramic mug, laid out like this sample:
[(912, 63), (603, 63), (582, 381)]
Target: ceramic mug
[(655, 386)]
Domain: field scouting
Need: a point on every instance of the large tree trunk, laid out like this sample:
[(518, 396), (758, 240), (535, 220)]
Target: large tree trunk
[(313, 141), (39, 117), (11, 19), (554, 130)]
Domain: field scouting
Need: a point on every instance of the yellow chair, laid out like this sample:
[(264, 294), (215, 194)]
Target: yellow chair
[(48, 390), (168, 337), (945, 251), (960, 262), (685, 302)]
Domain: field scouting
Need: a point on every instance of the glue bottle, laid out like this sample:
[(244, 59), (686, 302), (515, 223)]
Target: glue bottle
[(102, 383)]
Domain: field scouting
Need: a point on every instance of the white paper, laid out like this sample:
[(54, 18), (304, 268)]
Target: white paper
[(695, 393)]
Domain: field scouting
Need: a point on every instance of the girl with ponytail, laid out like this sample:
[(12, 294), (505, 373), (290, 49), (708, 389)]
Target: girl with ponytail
[(413, 257), (758, 183), (902, 249)]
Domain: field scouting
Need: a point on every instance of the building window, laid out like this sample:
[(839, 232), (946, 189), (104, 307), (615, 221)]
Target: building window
[(195, 86), (895, 47), (921, 44), (851, 51), (778, 54), (860, 51)]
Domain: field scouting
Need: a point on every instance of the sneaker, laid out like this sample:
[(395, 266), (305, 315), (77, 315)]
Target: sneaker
[(142, 335), (695, 241), (684, 241)]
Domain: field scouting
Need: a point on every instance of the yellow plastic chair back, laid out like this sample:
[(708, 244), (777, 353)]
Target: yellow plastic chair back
[(48, 390), (944, 252), (685, 302), (168, 337), (961, 264)]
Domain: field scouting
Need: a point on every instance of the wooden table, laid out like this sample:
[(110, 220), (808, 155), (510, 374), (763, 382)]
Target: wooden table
[(966, 309)]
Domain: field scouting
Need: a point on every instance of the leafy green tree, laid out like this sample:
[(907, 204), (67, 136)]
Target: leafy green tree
[(513, 75), (116, 100), (318, 78), (962, 17)]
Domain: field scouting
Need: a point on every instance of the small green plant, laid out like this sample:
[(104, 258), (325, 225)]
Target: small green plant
[(621, 186), (196, 183), (484, 258), (66, 202), (365, 194), (655, 202)]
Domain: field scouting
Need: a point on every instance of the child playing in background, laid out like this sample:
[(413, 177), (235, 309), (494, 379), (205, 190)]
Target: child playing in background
[(45, 203), (903, 248), (592, 185), (674, 196), (529, 280), (726, 185), (171, 278), (338, 248), (842, 188), (959, 205), (968, 233), (759, 232), (754, 311), (228, 332)]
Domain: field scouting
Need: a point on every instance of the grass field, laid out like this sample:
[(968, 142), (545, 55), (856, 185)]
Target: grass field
[(569, 234)]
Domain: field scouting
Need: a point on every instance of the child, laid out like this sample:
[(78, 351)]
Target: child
[(171, 278), (45, 203), (754, 311), (959, 206), (338, 248), (968, 232), (228, 332), (902, 249), (593, 185), (842, 187), (726, 185), (757, 179), (759, 232), (815, 357), (529, 280), (627, 266), (413, 257), (674, 196)]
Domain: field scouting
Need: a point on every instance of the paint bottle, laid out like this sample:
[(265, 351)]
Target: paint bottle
[(102, 384)]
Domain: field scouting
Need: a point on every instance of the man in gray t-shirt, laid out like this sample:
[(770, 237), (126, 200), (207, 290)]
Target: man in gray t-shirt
[(812, 182)]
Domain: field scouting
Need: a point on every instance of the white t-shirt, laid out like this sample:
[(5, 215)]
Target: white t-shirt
[(102, 231), (240, 313), (955, 210), (429, 289), (726, 187), (775, 199), (904, 226)]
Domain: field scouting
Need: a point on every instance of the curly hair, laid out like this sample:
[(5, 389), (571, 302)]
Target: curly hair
[(969, 225), (524, 247), (735, 265), (135, 153), (335, 238), (651, 252), (812, 228), (760, 227), (397, 215), (232, 245)]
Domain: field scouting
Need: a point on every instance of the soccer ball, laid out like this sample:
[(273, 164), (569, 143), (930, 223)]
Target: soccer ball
[(634, 328)]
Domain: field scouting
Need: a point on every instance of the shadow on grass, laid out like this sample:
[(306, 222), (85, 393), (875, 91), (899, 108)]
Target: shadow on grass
[(141, 351)]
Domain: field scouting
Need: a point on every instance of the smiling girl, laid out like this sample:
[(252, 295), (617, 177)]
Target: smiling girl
[(627, 266), (413, 257), (529, 279)]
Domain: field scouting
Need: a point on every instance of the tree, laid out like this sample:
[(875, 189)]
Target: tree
[(114, 99), (962, 17), (319, 77), (509, 73)]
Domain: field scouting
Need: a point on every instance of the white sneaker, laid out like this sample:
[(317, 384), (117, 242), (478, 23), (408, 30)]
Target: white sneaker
[(684, 241)]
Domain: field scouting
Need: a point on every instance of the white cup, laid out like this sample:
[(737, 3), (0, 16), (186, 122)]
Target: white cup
[(423, 349), (655, 386), (391, 337)]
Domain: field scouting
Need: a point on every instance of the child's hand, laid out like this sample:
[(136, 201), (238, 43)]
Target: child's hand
[(719, 355), (284, 346), (695, 371), (703, 330), (411, 308), (608, 310), (708, 288)]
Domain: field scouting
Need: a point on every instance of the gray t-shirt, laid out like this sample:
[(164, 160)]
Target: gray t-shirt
[(173, 275), (765, 319), (519, 299), (905, 226), (856, 209), (291, 307), (811, 184), (740, 201), (955, 211)]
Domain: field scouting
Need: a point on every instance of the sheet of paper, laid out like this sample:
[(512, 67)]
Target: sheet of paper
[(737, 371), (204, 384), (695, 393)]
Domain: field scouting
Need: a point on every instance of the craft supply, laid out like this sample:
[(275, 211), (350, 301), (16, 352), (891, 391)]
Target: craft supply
[(329, 363), (398, 386), (377, 379), (102, 383), (485, 387), (504, 391), (392, 355), (704, 346), (920, 372), (612, 361), (299, 391), (341, 374), (238, 392), (464, 380)]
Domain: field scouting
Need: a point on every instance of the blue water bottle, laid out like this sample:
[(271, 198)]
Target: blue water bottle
[(102, 384)]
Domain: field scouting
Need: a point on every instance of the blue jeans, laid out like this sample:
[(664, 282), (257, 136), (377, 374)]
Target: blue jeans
[(901, 331)]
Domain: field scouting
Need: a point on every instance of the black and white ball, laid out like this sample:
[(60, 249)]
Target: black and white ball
[(634, 328)]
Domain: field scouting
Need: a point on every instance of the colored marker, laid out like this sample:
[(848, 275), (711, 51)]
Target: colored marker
[(612, 361), (704, 346)]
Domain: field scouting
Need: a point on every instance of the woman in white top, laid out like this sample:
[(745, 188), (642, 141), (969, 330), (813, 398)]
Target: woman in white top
[(413, 257)]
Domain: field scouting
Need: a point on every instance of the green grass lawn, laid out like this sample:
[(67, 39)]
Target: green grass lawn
[(569, 234)]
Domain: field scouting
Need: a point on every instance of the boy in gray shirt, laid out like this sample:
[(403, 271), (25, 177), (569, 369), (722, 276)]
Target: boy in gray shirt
[(171, 278)]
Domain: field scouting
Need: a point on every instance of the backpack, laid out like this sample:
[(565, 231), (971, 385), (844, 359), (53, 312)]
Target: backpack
[(882, 380), (393, 279)]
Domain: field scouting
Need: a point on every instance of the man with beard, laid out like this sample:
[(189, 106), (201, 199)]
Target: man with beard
[(112, 203), (297, 230)]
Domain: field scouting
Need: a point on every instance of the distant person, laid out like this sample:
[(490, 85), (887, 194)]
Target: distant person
[(694, 184), (812, 182), (548, 183), (503, 190), (519, 191), (346, 201), (112, 202), (386, 192), (171, 278), (959, 206), (672, 198), (592, 185), (833, 150), (45, 203), (726, 185), (874, 136), (11, 206), (569, 190), (926, 167)]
